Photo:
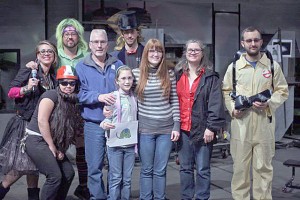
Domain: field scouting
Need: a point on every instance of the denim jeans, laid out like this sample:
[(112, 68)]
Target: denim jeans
[(59, 173), (121, 163), (189, 155), (95, 143), (154, 150)]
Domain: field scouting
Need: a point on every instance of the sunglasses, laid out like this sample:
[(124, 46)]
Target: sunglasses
[(66, 83)]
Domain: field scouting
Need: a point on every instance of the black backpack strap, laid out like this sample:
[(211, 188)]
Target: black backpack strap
[(237, 56), (269, 56)]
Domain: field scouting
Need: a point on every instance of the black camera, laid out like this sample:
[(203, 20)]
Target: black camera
[(242, 102)]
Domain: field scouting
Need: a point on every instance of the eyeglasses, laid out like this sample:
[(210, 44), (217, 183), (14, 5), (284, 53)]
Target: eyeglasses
[(196, 51), (255, 40), (66, 83), (97, 42), (73, 34), (153, 51), (44, 51)]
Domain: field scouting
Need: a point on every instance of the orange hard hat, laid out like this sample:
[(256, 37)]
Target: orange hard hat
[(65, 72)]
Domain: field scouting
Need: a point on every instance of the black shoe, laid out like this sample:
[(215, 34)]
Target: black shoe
[(82, 193), (33, 193), (3, 191)]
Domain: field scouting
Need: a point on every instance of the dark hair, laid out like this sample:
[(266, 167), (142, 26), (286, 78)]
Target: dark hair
[(250, 29), (65, 120)]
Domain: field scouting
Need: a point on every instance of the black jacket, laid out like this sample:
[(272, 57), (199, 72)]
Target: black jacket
[(121, 55), (25, 106), (208, 107)]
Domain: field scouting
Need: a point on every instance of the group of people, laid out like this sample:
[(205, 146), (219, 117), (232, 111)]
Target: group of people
[(185, 104)]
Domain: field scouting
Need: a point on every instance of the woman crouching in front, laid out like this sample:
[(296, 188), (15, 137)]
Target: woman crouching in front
[(51, 131)]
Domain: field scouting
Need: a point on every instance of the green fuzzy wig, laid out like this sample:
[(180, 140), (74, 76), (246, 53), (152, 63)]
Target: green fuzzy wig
[(80, 30)]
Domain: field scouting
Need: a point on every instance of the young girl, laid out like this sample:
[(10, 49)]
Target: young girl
[(121, 158)]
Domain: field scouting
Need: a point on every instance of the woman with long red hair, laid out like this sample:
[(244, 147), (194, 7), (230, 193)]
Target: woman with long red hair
[(158, 115)]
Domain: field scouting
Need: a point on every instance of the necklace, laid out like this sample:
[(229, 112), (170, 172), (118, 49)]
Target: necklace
[(46, 81)]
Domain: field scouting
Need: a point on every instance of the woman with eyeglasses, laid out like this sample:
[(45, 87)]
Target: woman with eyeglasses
[(50, 133), (25, 89), (158, 115), (201, 115)]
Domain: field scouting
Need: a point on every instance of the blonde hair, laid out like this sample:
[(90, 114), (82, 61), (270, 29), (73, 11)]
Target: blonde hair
[(120, 43), (52, 46), (122, 68)]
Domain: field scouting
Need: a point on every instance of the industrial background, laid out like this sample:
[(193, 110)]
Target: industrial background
[(217, 23)]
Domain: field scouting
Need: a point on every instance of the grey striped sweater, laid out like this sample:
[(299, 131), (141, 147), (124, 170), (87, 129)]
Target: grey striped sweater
[(158, 114)]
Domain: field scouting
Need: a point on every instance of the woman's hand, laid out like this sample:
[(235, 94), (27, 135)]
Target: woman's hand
[(208, 136), (60, 155), (32, 65), (32, 82), (53, 150), (175, 136)]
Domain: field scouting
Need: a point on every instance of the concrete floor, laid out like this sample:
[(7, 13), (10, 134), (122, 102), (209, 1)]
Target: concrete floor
[(221, 177)]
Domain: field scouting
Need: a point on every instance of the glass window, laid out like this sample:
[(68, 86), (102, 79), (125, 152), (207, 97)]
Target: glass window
[(9, 66)]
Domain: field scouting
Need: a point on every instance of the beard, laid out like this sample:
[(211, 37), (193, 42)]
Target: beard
[(252, 53), (70, 44)]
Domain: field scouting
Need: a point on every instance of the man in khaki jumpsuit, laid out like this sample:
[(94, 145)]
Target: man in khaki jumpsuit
[(253, 140)]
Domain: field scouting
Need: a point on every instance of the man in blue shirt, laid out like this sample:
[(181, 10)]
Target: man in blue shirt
[(96, 73)]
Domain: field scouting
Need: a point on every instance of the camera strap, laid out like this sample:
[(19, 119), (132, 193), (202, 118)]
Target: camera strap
[(237, 57)]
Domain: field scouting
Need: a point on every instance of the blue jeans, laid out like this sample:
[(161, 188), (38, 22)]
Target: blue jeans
[(95, 143), (154, 150), (121, 163), (189, 155)]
